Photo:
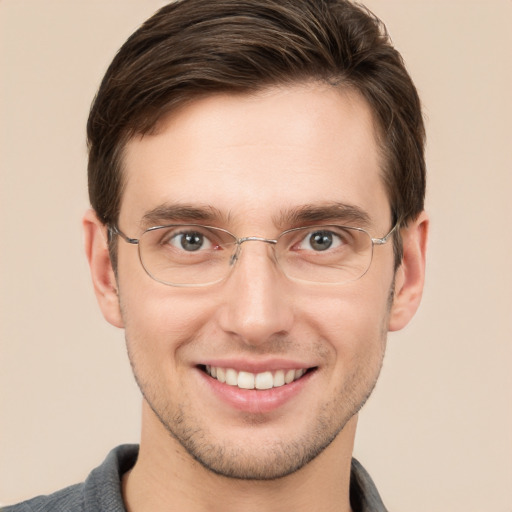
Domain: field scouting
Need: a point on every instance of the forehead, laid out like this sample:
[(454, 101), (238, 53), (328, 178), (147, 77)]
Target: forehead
[(248, 158)]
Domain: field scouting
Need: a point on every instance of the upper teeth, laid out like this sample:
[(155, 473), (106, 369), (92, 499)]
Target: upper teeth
[(248, 380)]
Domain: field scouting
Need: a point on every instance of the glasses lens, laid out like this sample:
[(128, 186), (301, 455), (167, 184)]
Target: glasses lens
[(325, 254), (183, 255), (194, 255)]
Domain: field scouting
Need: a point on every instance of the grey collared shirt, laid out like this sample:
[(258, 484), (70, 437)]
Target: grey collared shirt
[(101, 491)]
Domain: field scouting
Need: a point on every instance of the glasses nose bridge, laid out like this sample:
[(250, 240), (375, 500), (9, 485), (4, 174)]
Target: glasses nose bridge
[(244, 239)]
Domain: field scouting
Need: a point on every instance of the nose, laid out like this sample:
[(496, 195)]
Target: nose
[(257, 303)]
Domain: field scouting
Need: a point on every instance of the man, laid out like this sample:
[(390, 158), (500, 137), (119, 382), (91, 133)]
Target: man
[(257, 178)]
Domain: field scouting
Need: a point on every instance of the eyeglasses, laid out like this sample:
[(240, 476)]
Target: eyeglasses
[(197, 255)]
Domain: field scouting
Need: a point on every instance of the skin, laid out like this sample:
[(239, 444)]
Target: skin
[(234, 155)]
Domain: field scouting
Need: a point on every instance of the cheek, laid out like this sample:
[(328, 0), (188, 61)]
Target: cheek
[(352, 321), (159, 319)]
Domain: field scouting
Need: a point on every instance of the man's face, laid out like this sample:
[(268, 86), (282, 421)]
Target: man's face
[(251, 164)]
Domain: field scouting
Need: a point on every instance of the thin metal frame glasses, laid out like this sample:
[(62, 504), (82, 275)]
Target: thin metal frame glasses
[(200, 255)]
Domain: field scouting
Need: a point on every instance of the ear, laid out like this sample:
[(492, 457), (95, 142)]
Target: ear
[(103, 278), (410, 276)]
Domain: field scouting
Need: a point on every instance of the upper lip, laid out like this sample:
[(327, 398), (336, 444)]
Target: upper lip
[(252, 366)]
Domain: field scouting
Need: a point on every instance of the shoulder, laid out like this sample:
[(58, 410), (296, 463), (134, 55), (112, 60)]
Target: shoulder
[(364, 496), (66, 499), (100, 491)]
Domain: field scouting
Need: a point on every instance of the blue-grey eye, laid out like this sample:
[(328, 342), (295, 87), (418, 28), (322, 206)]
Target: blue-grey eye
[(320, 240), (190, 241)]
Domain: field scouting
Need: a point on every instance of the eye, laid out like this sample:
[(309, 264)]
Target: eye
[(190, 241), (321, 240)]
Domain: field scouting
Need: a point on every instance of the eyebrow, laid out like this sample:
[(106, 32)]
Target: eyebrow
[(307, 214), (330, 212), (166, 213)]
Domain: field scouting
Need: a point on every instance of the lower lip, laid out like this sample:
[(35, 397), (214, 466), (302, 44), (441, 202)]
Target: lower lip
[(253, 400)]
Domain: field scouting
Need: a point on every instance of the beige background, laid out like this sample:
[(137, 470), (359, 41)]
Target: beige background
[(436, 435)]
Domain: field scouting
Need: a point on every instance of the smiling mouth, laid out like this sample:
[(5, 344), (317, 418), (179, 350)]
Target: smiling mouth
[(248, 380)]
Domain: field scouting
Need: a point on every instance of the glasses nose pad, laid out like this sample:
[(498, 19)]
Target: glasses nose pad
[(235, 255)]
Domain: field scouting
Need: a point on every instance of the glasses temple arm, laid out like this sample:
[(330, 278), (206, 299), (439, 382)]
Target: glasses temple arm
[(385, 238), (114, 230)]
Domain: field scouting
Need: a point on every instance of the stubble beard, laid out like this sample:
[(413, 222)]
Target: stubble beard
[(279, 458)]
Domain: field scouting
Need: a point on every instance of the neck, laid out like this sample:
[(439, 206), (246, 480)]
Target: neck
[(166, 477)]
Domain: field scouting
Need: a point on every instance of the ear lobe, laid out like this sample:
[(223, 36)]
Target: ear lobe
[(410, 276), (103, 278)]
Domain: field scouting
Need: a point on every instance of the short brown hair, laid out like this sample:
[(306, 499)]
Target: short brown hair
[(192, 48)]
